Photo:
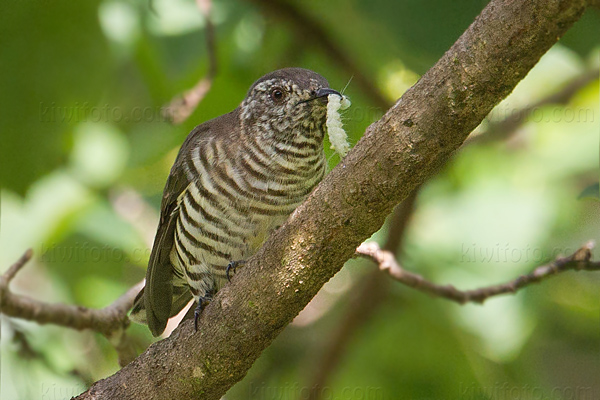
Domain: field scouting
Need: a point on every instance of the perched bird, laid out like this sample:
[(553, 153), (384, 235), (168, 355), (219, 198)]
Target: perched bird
[(235, 180)]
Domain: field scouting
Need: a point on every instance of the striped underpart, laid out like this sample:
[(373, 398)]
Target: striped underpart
[(239, 193)]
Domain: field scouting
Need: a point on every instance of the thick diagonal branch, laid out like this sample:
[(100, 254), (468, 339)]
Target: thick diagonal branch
[(397, 153)]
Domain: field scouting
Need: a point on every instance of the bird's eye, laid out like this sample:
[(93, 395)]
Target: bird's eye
[(277, 95)]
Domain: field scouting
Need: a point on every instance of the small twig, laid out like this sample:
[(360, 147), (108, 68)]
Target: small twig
[(182, 106), (16, 267), (111, 321), (580, 260)]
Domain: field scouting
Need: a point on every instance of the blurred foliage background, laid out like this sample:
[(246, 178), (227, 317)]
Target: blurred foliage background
[(86, 152)]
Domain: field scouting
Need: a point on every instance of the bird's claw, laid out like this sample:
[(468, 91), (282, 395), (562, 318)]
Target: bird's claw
[(199, 308), (233, 266)]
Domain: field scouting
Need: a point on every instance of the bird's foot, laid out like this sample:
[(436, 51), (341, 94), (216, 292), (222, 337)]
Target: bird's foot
[(202, 301), (233, 266)]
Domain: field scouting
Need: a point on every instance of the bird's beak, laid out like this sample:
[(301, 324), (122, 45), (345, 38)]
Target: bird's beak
[(323, 93)]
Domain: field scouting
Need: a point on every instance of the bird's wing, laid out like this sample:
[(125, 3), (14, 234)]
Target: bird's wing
[(158, 293)]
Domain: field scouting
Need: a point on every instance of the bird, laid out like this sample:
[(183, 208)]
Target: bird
[(235, 180)]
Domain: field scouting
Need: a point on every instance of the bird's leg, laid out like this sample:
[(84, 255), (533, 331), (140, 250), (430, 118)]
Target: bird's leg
[(202, 301), (233, 266)]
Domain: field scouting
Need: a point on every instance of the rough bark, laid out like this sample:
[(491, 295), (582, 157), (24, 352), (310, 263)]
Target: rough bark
[(397, 153)]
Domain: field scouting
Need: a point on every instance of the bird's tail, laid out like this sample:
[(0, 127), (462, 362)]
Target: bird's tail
[(181, 297), (138, 312)]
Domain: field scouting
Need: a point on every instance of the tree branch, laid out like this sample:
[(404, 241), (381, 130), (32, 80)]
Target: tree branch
[(111, 321), (397, 153), (578, 261), (182, 106), (370, 292)]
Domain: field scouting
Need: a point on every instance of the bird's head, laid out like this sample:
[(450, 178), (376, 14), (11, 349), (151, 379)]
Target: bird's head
[(288, 101)]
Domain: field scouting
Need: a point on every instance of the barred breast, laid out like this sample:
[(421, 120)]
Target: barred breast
[(239, 193)]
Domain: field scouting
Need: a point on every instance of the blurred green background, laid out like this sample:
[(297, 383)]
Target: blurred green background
[(86, 152)]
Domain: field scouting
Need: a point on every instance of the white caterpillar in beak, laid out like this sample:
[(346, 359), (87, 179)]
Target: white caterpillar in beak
[(337, 135)]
